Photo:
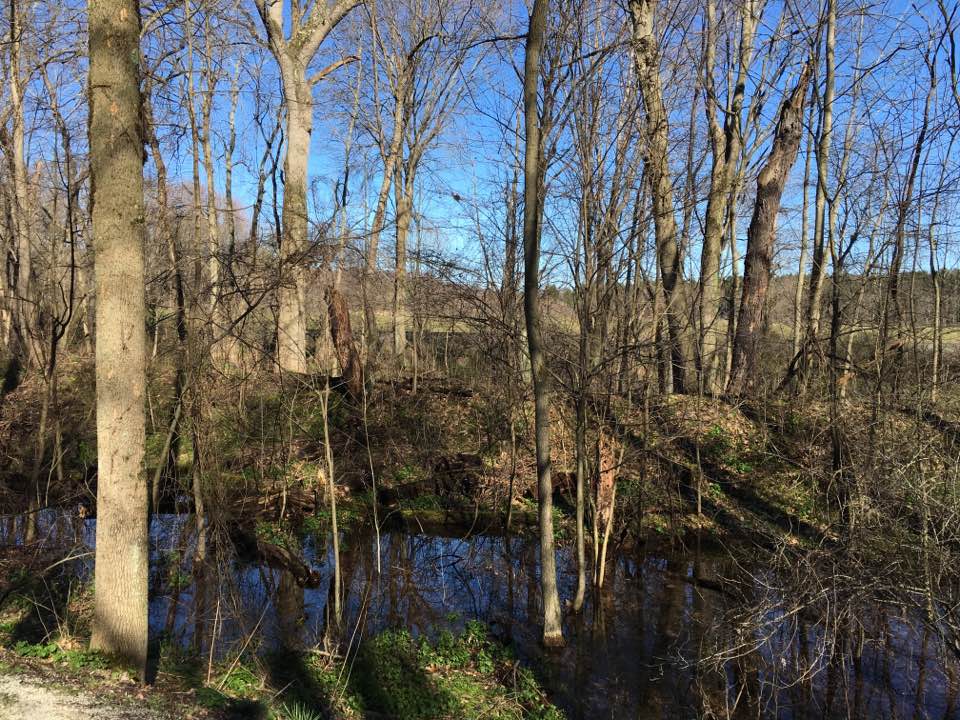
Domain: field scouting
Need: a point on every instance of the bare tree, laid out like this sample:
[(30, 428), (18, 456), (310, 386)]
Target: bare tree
[(818, 268), (657, 173), (294, 51), (533, 174), (726, 145), (116, 158), (762, 233)]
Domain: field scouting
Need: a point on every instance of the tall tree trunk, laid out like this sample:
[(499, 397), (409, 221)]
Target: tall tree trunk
[(726, 145), (733, 297), (891, 318), (937, 281), (817, 270), (762, 233), (308, 28), (292, 322), (658, 178), (404, 203), (379, 218), (116, 164), (229, 304), (217, 319), (25, 350), (532, 188), (7, 248), (804, 239)]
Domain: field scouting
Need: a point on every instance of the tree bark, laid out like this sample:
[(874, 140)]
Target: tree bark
[(346, 350), (292, 322), (404, 203), (726, 145), (116, 161), (658, 179), (804, 240), (762, 233), (24, 347), (294, 51), (823, 158), (379, 215), (532, 188)]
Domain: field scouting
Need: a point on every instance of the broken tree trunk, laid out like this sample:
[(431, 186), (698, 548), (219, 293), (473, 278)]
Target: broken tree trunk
[(762, 233), (346, 350)]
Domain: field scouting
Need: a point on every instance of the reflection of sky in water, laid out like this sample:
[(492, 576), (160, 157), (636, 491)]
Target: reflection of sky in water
[(628, 656)]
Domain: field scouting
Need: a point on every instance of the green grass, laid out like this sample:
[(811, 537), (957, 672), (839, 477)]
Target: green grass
[(393, 674), (463, 676)]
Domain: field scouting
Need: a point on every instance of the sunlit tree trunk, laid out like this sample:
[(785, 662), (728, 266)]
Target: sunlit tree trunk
[(804, 239), (646, 57), (726, 145), (892, 314), (294, 51), (233, 349), (817, 269), (762, 233), (116, 167), (532, 189), (217, 319), (404, 204), (937, 282), (24, 349), (292, 322), (390, 158)]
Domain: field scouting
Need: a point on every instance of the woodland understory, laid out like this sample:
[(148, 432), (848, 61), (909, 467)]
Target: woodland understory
[(294, 290)]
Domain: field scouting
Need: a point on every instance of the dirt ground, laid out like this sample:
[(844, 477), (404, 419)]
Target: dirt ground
[(24, 698)]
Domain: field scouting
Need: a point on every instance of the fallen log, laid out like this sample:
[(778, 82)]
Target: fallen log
[(250, 547)]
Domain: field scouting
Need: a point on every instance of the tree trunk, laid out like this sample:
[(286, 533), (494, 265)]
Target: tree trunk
[(532, 188), (581, 441), (116, 161), (347, 355), (726, 145), (762, 233), (218, 320), (292, 322), (937, 281), (233, 348), (404, 202), (804, 240), (24, 347), (379, 218), (823, 158), (891, 319), (308, 28), (658, 178)]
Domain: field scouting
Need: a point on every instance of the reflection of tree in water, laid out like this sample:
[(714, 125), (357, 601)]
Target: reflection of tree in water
[(676, 631), (786, 645)]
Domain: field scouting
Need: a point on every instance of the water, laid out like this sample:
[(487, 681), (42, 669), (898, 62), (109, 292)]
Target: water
[(642, 647)]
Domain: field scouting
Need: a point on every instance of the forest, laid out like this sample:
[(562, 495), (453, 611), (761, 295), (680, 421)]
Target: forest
[(506, 359)]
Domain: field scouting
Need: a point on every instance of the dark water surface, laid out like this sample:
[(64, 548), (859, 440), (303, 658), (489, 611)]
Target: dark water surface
[(639, 650)]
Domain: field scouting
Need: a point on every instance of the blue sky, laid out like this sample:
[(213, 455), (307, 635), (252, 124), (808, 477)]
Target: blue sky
[(472, 160)]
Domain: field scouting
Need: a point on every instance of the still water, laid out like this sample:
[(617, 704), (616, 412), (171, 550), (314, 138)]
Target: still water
[(665, 638)]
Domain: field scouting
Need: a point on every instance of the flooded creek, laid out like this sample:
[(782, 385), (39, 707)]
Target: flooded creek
[(659, 640)]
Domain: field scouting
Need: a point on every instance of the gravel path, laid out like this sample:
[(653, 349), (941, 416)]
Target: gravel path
[(23, 698)]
